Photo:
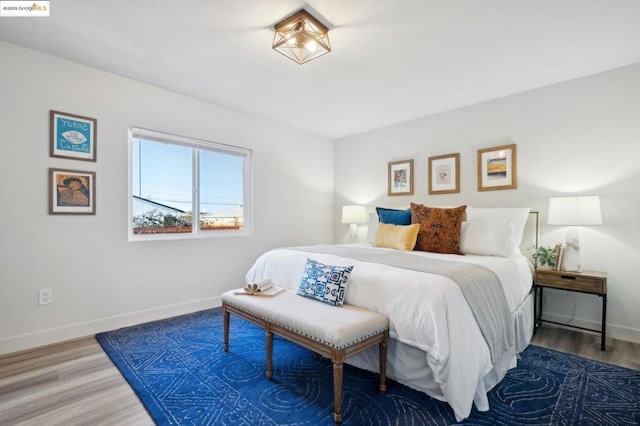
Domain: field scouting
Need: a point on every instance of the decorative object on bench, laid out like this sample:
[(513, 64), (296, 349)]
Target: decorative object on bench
[(437, 345), (264, 288), (326, 330)]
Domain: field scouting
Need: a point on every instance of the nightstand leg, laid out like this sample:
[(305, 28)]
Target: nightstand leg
[(604, 322), (539, 313), (535, 309)]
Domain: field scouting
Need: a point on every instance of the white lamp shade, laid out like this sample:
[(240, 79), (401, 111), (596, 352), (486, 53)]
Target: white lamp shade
[(354, 214), (575, 211)]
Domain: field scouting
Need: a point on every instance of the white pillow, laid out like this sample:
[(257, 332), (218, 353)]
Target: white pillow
[(373, 227), (493, 231)]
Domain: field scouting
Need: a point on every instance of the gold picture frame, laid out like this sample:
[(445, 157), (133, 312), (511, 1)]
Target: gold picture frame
[(497, 168), (444, 174), (400, 180), (72, 192)]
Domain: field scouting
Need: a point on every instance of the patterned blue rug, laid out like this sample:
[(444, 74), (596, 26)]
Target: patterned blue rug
[(181, 374)]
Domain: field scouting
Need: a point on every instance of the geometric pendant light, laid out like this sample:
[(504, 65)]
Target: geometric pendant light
[(301, 37)]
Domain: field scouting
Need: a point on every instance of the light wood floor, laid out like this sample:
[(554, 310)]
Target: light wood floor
[(71, 383), (587, 345), (75, 383)]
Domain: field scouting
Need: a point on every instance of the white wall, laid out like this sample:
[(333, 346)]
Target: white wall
[(99, 280), (579, 137)]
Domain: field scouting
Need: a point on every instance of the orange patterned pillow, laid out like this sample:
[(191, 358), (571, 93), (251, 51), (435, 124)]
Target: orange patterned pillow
[(439, 228)]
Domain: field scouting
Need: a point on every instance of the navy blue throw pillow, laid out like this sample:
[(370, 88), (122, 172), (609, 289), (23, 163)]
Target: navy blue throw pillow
[(393, 216)]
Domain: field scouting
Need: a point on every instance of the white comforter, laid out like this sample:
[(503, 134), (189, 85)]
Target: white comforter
[(425, 311)]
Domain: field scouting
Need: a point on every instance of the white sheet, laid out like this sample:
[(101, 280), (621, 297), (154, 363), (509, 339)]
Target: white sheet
[(426, 311)]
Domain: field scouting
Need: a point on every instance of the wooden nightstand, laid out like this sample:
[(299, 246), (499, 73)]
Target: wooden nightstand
[(583, 282)]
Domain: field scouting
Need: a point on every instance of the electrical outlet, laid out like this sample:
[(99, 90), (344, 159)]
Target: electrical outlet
[(45, 296)]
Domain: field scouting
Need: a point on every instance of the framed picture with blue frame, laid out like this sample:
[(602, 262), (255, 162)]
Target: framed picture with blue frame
[(73, 136)]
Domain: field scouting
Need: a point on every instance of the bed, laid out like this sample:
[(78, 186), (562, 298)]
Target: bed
[(442, 341)]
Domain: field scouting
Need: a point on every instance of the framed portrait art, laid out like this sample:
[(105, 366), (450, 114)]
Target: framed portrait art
[(72, 192), (400, 178), (497, 168), (444, 174), (72, 136)]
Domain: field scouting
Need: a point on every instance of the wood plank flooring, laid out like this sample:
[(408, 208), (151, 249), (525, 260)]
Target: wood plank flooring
[(71, 383), (75, 383), (587, 345)]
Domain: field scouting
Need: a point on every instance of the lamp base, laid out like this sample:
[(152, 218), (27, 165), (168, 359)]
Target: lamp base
[(353, 233), (571, 261)]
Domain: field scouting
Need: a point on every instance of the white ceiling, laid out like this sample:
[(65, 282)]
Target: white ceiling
[(392, 60)]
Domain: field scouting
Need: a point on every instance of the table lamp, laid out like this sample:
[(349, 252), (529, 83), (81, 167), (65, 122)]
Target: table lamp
[(354, 215), (573, 212)]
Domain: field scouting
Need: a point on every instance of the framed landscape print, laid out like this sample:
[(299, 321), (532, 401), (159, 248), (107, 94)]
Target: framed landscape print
[(400, 178), (72, 136), (72, 192), (497, 168), (444, 174)]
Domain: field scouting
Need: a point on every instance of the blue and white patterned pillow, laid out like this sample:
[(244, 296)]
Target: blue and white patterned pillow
[(325, 283)]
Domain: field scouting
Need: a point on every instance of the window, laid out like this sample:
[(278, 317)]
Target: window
[(176, 182)]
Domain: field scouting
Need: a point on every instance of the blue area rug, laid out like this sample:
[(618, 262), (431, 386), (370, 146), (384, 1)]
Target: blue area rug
[(179, 370)]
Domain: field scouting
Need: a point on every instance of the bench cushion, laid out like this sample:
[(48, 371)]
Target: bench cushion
[(330, 325)]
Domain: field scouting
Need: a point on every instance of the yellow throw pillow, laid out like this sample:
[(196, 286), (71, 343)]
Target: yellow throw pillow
[(400, 237)]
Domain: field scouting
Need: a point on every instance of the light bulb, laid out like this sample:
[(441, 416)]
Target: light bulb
[(311, 46)]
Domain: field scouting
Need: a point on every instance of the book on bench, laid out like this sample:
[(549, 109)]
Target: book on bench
[(264, 288)]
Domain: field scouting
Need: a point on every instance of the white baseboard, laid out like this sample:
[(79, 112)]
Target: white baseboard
[(613, 331), (89, 328)]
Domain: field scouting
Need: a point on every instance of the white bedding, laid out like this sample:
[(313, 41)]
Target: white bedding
[(427, 312)]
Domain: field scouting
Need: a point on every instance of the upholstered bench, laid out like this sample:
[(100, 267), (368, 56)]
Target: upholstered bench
[(334, 332)]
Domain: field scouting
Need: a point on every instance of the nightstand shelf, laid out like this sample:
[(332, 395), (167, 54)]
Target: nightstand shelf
[(583, 282)]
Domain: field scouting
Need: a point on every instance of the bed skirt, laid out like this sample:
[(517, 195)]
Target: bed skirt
[(408, 365)]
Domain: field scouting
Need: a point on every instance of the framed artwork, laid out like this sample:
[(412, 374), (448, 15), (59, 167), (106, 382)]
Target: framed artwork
[(444, 174), (400, 178), (72, 136), (72, 192), (497, 168)]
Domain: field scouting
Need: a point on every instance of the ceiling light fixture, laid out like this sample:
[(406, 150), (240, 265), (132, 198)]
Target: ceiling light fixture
[(301, 37)]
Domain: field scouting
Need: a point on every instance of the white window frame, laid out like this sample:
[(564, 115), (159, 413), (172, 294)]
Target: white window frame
[(195, 144)]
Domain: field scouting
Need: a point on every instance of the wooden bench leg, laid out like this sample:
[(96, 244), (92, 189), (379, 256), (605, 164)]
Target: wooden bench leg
[(338, 368), (383, 363), (269, 336), (225, 317), (337, 356)]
